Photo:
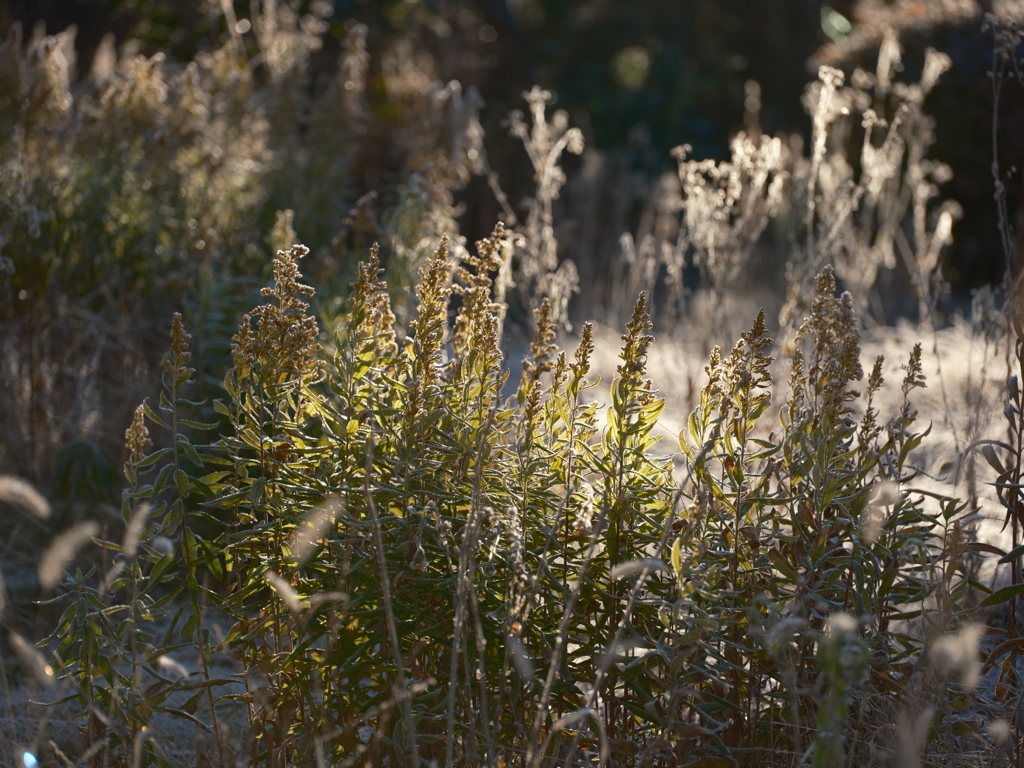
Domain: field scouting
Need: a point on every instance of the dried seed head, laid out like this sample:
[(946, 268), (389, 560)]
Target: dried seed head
[(32, 660), (581, 366), (999, 730), (959, 652), (841, 628), (835, 358), (282, 236), (543, 344), (366, 281), (370, 316), (433, 292), (133, 534), (634, 350), (284, 590), (476, 327), (62, 551), (729, 204), (163, 545), (136, 437), (179, 341), (313, 527), (24, 495), (876, 380), (284, 342), (521, 657), (748, 365), (172, 667)]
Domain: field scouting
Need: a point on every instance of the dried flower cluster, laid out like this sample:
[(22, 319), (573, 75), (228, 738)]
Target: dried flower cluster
[(834, 359), (278, 340)]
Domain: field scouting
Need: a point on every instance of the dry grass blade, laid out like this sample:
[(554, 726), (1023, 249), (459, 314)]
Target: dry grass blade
[(133, 535), (313, 527), (959, 652), (24, 495), (60, 755), (651, 564), (62, 551), (580, 715), (886, 493), (172, 667), (521, 658), (112, 575), (883, 495), (32, 660), (913, 732), (326, 597), (619, 648), (284, 589), (999, 731)]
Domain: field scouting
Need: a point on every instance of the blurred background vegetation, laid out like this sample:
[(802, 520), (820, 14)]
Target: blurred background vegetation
[(638, 76)]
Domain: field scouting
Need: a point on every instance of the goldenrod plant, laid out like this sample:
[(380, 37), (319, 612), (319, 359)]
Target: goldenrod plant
[(388, 561)]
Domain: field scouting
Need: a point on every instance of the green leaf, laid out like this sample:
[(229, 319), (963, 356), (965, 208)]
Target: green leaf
[(191, 452), (213, 562), (151, 415), (1012, 555), (153, 458), (256, 491), (760, 406), (1004, 595), (783, 566), (182, 483), (200, 425), (189, 630), (193, 702), (990, 456), (965, 727)]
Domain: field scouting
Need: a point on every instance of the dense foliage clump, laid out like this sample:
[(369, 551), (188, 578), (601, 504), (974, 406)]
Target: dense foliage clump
[(416, 567)]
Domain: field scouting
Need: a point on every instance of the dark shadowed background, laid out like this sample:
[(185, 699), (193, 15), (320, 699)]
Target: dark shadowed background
[(638, 77)]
